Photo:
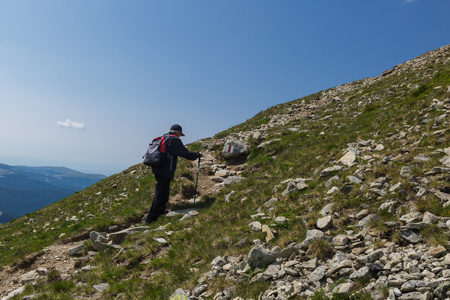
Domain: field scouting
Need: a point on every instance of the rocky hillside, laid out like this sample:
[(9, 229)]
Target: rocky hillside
[(343, 194)]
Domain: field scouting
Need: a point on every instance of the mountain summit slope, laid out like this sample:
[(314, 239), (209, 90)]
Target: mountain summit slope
[(343, 194)]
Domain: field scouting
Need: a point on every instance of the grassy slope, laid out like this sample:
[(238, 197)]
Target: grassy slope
[(395, 102)]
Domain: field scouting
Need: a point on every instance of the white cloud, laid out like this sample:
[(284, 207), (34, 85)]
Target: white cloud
[(71, 124), (409, 1)]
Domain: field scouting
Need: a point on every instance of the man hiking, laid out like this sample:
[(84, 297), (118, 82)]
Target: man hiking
[(165, 173)]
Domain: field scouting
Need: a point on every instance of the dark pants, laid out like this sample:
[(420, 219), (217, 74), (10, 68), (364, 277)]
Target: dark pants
[(161, 198)]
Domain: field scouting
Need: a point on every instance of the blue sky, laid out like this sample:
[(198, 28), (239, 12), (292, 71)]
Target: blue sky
[(87, 84)]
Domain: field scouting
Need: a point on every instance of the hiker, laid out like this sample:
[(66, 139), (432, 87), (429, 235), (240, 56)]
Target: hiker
[(165, 173)]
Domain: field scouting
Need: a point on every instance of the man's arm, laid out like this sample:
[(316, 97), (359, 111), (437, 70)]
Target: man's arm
[(177, 148)]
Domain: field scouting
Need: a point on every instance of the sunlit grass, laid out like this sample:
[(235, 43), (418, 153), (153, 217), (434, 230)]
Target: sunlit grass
[(148, 270)]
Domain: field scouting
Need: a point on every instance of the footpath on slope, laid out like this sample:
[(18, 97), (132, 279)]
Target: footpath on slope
[(61, 258)]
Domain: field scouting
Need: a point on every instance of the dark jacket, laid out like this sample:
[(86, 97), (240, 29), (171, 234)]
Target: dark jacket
[(175, 149)]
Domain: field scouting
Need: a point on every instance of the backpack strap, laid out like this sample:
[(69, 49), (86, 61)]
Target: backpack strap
[(167, 145), (163, 148), (169, 156)]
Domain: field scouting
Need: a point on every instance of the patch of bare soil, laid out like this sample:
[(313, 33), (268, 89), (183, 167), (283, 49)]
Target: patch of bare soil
[(205, 187), (54, 257)]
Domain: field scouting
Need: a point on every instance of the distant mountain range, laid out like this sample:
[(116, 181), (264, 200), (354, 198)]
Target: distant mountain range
[(25, 189)]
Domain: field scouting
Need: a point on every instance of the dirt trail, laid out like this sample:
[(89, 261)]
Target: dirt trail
[(55, 257)]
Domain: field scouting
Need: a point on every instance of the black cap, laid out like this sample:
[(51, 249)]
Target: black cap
[(177, 127)]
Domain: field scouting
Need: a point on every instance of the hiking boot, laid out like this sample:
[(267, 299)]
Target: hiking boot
[(149, 221)]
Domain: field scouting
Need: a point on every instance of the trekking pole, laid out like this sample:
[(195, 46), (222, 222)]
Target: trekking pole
[(196, 181)]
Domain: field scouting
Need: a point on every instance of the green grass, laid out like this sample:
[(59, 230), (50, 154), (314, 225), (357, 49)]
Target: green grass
[(433, 235), (147, 270)]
